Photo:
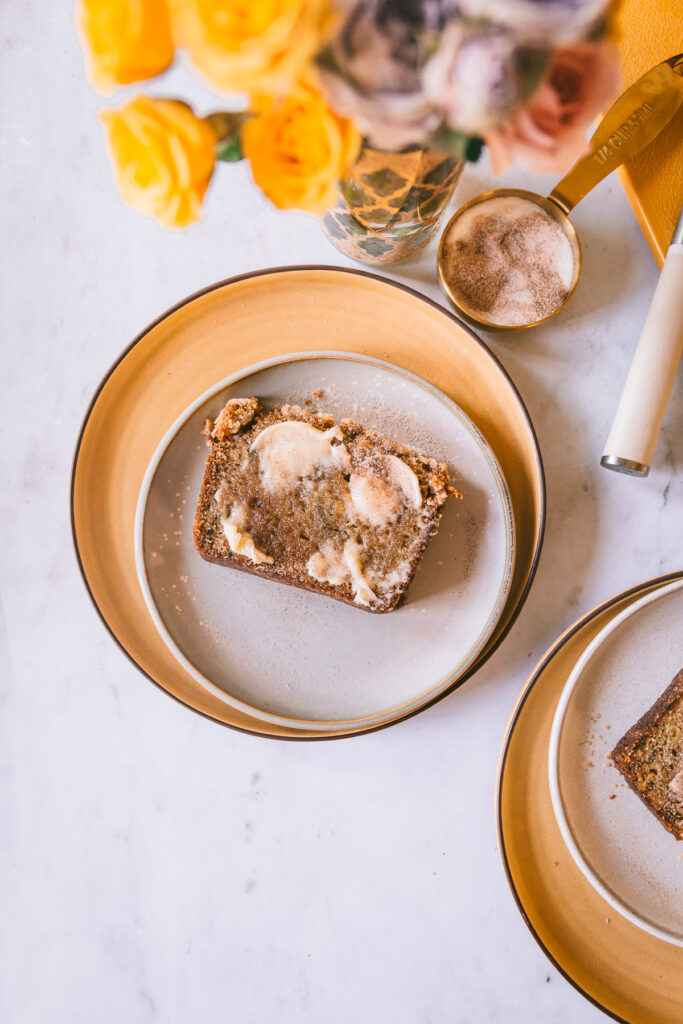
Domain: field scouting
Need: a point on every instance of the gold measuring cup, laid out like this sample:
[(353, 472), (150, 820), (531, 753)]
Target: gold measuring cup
[(630, 124)]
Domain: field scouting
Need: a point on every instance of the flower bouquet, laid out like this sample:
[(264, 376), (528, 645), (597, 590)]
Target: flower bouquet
[(362, 113)]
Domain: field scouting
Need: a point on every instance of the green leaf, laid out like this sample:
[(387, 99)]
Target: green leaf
[(228, 124), (455, 144), (230, 149)]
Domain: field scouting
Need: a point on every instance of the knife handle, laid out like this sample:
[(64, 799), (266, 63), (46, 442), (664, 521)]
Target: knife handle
[(633, 437)]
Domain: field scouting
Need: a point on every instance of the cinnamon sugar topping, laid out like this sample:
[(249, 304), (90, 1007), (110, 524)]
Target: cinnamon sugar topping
[(508, 262)]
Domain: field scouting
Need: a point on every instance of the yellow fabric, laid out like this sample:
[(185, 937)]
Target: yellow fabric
[(650, 31)]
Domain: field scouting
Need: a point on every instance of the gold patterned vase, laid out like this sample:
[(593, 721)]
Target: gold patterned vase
[(391, 204)]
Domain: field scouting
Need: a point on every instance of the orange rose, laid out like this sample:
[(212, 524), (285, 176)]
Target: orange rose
[(298, 149), (254, 46), (125, 40), (549, 133), (163, 158)]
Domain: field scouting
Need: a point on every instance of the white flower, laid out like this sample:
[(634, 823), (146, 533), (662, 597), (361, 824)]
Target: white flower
[(551, 21), (373, 71)]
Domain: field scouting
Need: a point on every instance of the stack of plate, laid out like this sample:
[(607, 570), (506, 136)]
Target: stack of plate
[(253, 654), (597, 878)]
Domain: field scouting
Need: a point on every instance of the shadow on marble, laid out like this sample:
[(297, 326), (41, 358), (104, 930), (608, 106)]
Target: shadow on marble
[(668, 458), (418, 272), (461, 529), (571, 535), (574, 483), (608, 274)]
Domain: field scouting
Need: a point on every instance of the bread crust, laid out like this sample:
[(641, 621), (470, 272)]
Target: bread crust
[(669, 813), (315, 587)]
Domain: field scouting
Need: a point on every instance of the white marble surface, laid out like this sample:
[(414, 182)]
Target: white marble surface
[(154, 866)]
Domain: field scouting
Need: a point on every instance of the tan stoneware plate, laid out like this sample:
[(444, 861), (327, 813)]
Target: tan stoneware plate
[(214, 335), (632, 975)]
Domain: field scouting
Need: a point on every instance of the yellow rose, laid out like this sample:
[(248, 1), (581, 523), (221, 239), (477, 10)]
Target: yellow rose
[(125, 40), (254, 46), (163, 158), (299, 149)]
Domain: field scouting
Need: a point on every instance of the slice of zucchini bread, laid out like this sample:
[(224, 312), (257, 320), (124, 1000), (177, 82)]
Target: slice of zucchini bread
[(650, 757), (336, 509)]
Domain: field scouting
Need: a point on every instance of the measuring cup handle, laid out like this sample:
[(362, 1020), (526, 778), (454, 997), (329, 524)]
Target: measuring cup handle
[(629, 125)]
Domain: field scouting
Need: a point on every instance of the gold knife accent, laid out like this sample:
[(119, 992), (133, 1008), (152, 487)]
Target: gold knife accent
[(629, 125)]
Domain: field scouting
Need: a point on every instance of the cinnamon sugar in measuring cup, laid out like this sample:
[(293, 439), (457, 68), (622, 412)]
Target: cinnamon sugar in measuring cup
[(511, 258), (507, 262)]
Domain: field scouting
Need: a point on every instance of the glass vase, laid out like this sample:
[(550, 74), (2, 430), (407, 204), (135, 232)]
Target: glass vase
[(391, 204)]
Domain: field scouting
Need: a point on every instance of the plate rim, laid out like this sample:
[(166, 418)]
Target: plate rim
[(452, 677), (553, 764), (391, 283), (546, 658)]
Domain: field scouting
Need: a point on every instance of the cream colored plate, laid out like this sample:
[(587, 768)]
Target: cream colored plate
[(632, 861), (288, 655)]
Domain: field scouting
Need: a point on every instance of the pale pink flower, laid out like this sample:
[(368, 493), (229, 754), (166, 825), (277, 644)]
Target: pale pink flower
[(549, 132), (479, 75)]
